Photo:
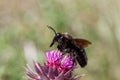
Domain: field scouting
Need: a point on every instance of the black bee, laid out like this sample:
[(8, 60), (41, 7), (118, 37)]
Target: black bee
[(73, 46)]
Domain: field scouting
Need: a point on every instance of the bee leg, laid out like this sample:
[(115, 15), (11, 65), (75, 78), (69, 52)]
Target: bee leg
[(73, 58), (63, 53), (60, 48)]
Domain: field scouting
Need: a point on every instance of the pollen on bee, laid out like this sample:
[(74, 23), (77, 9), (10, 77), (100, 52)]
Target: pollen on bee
[(66, 33)]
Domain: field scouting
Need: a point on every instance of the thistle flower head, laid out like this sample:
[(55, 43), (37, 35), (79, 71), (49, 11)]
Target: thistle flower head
[(56, 67), (54, 58)]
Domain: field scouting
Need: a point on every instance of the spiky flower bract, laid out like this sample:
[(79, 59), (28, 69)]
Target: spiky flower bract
[(56, 67)]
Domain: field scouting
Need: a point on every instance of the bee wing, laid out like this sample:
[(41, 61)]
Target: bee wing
[(81, 42)]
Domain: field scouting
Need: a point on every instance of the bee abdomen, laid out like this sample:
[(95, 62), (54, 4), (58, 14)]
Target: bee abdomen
[(81, 57)]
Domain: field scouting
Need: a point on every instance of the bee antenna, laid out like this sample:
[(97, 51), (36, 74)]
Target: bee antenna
[(51, 29)]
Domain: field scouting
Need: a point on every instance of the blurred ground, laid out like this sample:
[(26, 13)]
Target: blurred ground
[(23, 29)]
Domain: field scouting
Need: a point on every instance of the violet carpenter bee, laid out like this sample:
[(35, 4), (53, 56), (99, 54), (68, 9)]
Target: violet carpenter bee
[(73, 46)]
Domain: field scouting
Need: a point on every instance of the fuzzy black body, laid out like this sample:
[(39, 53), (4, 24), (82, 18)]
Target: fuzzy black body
[(75, 47), (66, 45)]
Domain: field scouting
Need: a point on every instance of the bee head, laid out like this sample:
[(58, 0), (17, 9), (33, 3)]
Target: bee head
[(56, 38)]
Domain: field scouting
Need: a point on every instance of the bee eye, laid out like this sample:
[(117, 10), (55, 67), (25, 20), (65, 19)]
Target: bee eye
[(58, 35)]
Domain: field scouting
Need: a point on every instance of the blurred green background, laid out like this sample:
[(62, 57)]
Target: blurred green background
[(24, 36)]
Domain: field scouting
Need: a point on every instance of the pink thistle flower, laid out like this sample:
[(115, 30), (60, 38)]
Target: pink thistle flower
[(56, 67), (54, 58)]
